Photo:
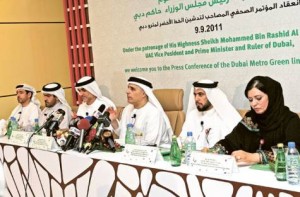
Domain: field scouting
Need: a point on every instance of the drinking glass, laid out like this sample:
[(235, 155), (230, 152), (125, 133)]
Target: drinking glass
[(275, 148), (138, 137)]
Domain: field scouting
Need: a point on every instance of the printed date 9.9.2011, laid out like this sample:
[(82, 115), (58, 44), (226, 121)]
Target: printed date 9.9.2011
[(208, 28)]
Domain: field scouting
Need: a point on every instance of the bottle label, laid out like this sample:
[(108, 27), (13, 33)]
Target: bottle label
[(130, 136), (293, 169)]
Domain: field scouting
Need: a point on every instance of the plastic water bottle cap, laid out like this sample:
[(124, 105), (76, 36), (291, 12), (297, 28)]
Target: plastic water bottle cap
[(280, 145), (291, 144), (129, 125), (189, 133), (12, 118)]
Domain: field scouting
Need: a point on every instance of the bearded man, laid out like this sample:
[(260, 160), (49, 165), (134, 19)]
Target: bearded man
[(210, 116)]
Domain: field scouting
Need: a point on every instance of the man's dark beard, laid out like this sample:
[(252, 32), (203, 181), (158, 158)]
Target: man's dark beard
[(205, 107), (49, 105)]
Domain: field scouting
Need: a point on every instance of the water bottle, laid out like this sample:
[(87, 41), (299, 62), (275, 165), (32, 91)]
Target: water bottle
[(175, 153), (37, 126), (292, 164), (280, 164), (9, 127), (129, 137), (14, 124), (190, 145)]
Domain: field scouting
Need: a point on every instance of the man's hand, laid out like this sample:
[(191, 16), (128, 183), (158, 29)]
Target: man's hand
[(113, 117), (112, 113)]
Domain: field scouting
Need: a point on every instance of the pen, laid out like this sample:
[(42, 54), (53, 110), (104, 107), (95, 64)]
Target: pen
[(206, 135)]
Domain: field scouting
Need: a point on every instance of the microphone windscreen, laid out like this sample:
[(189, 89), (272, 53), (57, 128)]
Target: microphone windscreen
[(92, 120), (74, 121), (83, 124), (89, 118), (106, 114), (101, 108), (97, 114), (61, 111)]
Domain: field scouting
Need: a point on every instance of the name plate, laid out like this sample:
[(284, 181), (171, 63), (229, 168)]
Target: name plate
[(142, 154), (42, 142), (19, 138), (213, 163)]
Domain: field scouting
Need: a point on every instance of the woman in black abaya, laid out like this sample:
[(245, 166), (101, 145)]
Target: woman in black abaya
[(267, 123)]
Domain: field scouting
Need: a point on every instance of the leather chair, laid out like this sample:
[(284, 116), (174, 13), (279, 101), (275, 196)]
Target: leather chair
[(242, 112), (172, 102)]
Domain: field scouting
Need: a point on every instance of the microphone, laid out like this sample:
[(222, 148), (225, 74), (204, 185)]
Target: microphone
[(61, 141), (74, 133), (96, 115), (103, 121), (202, 128), (20, 113), (83, 126), (108, 139), (87, 147), (46, 123), (55, 121), (261, 143), (106, 135), (74, 121), (133, 118)]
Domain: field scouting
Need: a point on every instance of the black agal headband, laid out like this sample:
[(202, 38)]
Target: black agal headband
[(79, 84), (142, 81), (50, 87), (205, 85)]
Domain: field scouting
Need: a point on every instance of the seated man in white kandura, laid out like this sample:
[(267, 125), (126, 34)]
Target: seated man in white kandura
[(145, 113), (54, 97), (29, 107), (210, 116)]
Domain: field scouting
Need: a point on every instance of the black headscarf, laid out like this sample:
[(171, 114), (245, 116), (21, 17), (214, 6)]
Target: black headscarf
[(277, 114)]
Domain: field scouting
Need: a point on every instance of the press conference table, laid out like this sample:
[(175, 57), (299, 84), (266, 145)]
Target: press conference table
[(107, 174)]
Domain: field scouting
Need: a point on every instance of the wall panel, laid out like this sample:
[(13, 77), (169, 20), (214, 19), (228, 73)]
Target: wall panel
[(31, 11), (33, 48)]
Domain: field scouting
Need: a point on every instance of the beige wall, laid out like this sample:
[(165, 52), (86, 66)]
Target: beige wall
[(33, 48)]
